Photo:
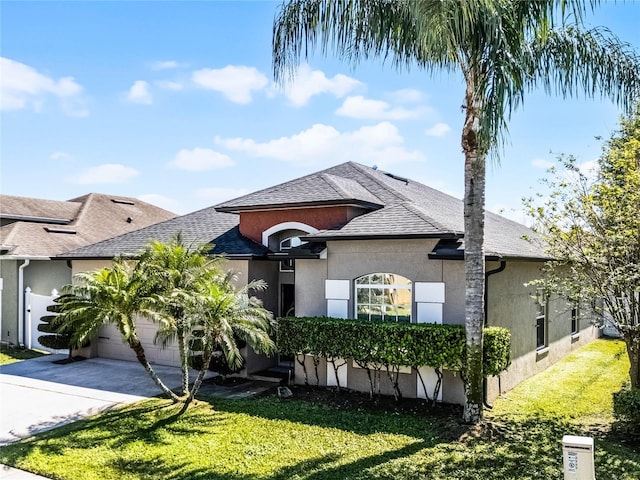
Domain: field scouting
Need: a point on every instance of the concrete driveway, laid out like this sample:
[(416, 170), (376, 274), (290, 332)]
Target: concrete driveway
[(38, 395)]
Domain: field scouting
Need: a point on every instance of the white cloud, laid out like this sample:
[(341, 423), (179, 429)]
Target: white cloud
[(164, 64), (220, 194), (200, 159), (364, 108), (438, 130), (60, 156), (161, 201), (106, 173), (169, 85), (21, 86), (139, 93), (381, 144), (237, 83), (590, 169), (407, 95), (541, 163), (308, 83)]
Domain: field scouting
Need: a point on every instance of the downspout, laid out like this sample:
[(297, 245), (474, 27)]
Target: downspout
[(21, 325), (503, 265)]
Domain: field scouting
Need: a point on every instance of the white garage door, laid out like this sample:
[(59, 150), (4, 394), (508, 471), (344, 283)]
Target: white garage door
[(110, 345)]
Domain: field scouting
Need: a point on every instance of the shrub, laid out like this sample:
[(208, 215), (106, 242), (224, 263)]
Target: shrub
[(388, 345), (626, 408)]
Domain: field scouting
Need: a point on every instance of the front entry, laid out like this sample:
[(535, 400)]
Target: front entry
[(287, 300), (287, 309)]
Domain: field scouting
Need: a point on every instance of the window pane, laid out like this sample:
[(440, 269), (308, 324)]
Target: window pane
[(377, 296), (363, 295)]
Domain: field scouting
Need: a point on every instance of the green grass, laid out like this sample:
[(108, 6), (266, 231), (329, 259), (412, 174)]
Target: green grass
[(9, 354), (266, 438)]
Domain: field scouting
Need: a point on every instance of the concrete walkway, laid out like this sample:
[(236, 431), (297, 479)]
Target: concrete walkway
[(38, 395)]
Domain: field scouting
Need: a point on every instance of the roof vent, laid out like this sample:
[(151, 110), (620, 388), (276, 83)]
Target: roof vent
[(129, 219), (122, 202), (59, 230), (395, 177)]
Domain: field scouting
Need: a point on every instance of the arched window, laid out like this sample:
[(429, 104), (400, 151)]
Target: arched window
[(383, 297)]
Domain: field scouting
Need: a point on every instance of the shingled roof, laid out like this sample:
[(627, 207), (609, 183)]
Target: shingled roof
[(204, 226), (321, 188), (399, 208), (413, 209), (45, 228)]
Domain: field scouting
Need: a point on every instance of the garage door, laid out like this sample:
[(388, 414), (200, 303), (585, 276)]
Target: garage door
[(110, 345)]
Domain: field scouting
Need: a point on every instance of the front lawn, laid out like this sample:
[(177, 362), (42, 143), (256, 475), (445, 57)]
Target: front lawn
[(267, 438), (10, 354)]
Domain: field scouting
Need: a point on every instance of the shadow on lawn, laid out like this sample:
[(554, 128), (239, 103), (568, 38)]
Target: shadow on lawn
[(423, 424)]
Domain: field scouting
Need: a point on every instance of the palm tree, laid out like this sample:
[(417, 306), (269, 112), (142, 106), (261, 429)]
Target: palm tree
[(223, 313), (503, 49), (176, 273), (115, 295)]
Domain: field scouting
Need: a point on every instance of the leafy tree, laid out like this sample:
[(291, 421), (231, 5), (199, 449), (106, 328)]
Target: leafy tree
[(223, 313), (113, 295), (592, 225), (502, 49), (175, 273)]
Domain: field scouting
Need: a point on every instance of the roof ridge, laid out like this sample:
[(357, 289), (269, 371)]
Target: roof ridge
[(417, 210), (83, 209), (333, 184), (368, 172)]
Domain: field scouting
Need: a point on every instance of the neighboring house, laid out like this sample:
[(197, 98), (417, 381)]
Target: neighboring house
[(33, 231), (355, 242)]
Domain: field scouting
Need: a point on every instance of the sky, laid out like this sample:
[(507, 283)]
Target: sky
[(174, 103)]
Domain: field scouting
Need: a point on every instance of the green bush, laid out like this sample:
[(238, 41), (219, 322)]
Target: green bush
[(389, 344), (626, 408)]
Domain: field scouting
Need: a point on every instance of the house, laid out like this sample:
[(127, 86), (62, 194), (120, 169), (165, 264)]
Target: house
[(356, 242), (33, 231)]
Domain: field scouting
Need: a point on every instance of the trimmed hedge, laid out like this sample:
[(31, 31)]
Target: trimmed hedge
[(390, 344)]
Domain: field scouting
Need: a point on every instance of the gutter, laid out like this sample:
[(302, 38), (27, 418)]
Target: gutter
[(21, 329), (501, 268)]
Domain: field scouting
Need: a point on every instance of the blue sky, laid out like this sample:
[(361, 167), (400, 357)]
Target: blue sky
[(174, 103)]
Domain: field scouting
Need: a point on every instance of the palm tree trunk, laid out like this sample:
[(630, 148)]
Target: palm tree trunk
[(474, 200), (184, 359), (198, 382), (137, 347)]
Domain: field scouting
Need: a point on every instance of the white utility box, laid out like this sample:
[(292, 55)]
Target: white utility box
[(577, 456)]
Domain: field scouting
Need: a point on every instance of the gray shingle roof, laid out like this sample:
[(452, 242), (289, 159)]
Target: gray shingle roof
[(400, 208), (37, 209), (93, 217), (317, 188), (203, 226), (414, 209)]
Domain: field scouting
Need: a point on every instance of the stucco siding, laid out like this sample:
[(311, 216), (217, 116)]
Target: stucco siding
[(9, 275), (42, 276), (511, 304), (310, 277)]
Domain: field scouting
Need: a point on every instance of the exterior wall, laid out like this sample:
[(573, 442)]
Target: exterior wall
[(41, 276), (267, 271), (310, 277), (9, 313), (510, 305), (252, 224), (348, 260), (45, 275)]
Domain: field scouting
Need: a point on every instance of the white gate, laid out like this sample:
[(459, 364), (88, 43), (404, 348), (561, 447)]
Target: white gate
[(36, 307)]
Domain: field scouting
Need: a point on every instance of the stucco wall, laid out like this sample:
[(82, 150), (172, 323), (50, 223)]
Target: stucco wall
[(511, 305), (42, 276), (310, 277), (9, 275), (45, 275)]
